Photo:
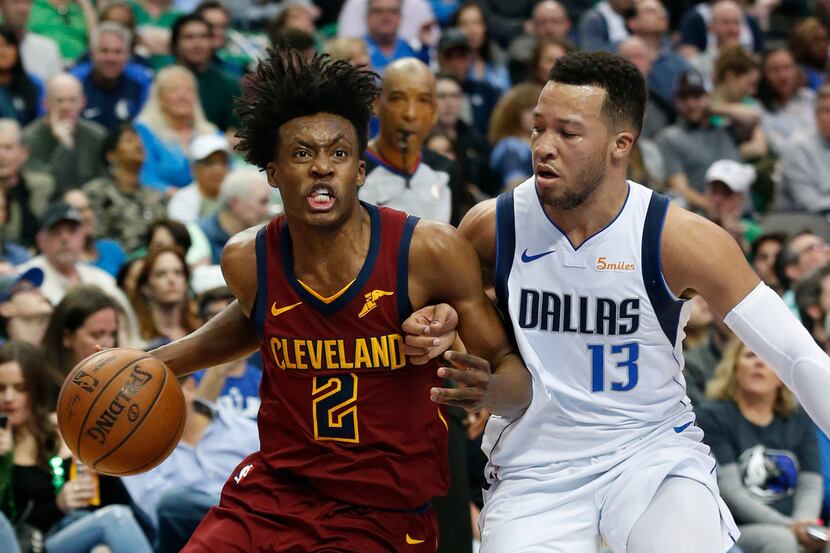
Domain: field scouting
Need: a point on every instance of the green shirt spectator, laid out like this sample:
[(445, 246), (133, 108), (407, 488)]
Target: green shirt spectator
[(165, 18), (66, 22)]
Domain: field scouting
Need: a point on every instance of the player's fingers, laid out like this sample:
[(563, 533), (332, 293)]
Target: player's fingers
[(420, 342), (98, 347), (417, 323), (455, 395), (463, 376), (445, 319), (419, 359), (466, 360)]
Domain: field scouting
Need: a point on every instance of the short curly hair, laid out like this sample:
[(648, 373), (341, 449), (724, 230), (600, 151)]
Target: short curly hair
[(285, 87), (624, 85)]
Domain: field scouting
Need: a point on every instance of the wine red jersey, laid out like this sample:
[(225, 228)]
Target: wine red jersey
[(341, 404)]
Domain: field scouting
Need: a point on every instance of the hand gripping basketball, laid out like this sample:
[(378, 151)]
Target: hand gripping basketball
[(121, 411)]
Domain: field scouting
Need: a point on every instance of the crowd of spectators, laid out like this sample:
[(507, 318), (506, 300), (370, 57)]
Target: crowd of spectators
[(119, 186)]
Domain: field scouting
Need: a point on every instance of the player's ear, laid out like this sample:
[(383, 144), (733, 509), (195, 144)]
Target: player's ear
[(361, 173), (623, 144), (271, 173)]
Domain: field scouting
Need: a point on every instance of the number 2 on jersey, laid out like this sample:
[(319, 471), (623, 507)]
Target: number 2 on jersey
[(631, 353), (334, 408)]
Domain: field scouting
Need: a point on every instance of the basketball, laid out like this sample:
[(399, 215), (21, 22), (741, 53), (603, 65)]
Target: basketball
[(121, 411)]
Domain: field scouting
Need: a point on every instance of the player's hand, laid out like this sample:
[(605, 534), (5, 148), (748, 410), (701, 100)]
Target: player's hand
[(471, 375), (430, 331), (6, 440), (76, 494)]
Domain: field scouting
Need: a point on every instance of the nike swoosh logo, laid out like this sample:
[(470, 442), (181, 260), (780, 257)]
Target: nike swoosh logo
[(412, 541), (682, 427), (528, 258), (277, 311)]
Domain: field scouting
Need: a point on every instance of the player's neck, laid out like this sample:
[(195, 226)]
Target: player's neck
[(594, 214), (327, 258)]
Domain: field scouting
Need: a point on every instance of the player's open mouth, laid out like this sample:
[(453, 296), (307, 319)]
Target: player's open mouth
[(544, 172), (321, 198)]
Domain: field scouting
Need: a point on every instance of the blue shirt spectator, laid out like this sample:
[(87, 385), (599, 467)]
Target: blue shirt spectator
[(603, 26), (165, 163), (240, 393), (110, 106)]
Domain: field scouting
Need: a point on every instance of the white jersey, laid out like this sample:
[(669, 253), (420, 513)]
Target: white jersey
[(598, 328)]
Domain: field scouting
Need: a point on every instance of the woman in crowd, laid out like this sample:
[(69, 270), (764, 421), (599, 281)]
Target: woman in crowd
[(168, 123), (787, 105), (545, 54), (488, 61), (85, 318), (769, 471), (809, 43), (37, 487), (124, 209), (510, 127), (161, 299), (20, 93)]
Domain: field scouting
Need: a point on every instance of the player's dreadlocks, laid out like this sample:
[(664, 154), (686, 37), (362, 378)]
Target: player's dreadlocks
[(284, 87)]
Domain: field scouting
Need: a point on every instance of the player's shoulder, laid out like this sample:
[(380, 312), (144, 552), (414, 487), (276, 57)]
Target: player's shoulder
[(434, 238), (479, 227), (239, 266), (691, 232)]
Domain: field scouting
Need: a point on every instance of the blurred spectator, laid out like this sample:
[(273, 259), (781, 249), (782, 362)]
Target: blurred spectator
[(11, 253), (603, 26), (190, 43), (438, 142), (787, 106), (802, 253), (85, 318), (727, 192), (170, 120), (38, 489), (121, 13), (161, 298), (294, 39), (211, 162), (812, 296), (113, 95), (810, 44), (24, 311), (542, 59), (548, 22), (385, 45), (159, 14), (769, 471), (510, 129), (804, 163), (178, 493), (40, 54), (703, 29), (61, 143), (646, 165), (692, 145), (649, 22), (295, 24), (243, 203), (353, 50), (507, 19), (472, 151), (415, 16), (167, 233), (725, 27), (487, 61), (20, 94), (480, 97), (27, 192), (702, 359), (733, 102), (697, 329), (234, 386), (61, 243), (102, 252), (398, 173), (218, 17), (764, 253), (657, 114), (124, 208), (68, 22)]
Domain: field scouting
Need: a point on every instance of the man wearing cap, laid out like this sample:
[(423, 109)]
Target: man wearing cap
[(211, 162), (480, 97), (24, 310), (692, 145), (804, 164), (728, 184), (61, 242)]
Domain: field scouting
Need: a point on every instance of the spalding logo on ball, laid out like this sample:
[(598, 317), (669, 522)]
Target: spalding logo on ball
[(121, 411)]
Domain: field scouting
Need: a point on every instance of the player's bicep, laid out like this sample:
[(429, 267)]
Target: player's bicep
[(239, 268)]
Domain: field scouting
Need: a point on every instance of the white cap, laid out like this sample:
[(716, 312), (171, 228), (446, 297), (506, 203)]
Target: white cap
[(734, 174), (206, 277), (206, 144)]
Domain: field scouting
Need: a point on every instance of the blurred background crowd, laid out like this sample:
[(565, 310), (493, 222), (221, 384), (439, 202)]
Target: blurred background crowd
[(119, 186)]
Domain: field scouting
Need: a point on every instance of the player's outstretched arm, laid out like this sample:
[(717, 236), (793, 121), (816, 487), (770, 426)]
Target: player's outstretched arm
[(231, 334), (445, 268), (700, 257)]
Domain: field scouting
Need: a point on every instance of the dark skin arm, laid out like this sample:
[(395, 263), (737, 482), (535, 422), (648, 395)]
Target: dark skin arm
[(231, 334), (445, 268)]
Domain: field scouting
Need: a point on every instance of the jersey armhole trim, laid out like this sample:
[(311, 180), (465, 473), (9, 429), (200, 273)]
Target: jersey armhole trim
[(258, 313), (505, 251), (404, 305)]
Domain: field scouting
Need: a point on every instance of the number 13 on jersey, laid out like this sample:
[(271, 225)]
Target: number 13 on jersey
[(625, 356)]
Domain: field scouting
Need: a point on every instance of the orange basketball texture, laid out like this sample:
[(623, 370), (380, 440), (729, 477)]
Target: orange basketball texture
[(121, 411)]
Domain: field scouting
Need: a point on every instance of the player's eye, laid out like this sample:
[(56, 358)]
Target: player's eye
[(340, 154)]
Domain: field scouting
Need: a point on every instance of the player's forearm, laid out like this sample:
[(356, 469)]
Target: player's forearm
[(227, 336), (511, 387)]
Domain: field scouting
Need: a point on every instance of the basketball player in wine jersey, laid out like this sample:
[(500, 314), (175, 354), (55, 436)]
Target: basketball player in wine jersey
[(352, 446)]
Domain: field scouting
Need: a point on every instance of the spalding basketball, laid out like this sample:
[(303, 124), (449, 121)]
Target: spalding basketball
[(121, 411)]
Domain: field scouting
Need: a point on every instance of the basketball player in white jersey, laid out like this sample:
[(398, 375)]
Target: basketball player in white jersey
[(592, 271)]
